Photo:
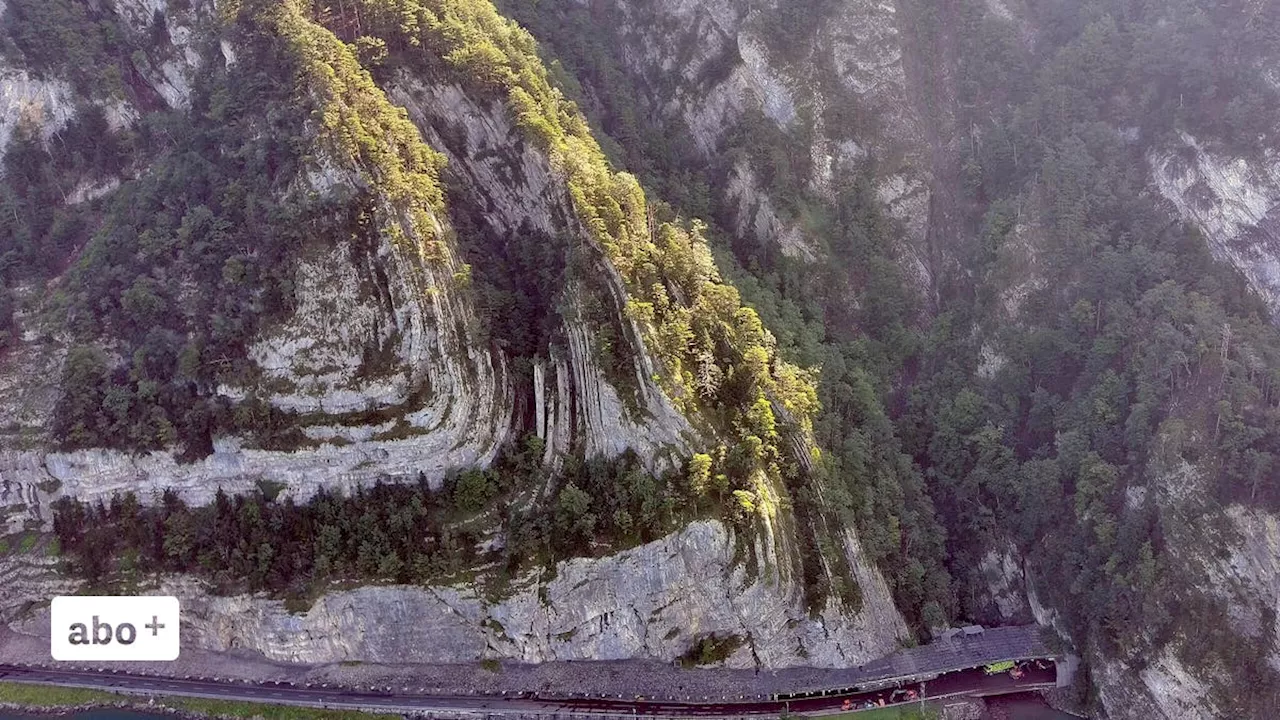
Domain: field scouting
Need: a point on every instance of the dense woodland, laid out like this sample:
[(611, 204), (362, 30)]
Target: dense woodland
[(1140, 353), (405, 533), (220, 206), (205, 231)]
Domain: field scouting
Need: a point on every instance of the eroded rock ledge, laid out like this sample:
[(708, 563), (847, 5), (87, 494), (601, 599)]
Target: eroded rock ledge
[(651, 602)]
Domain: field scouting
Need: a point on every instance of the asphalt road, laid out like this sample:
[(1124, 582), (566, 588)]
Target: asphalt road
[(970, 682)]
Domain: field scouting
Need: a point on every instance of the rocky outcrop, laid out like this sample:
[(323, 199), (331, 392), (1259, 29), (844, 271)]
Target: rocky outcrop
[(45, 104), (654, 601), (655, 430), (382, 363), (461, 423), (1163, 689), (706, 65), (379, 362), (867, 51), (1006, 584), (519, 190), (1249, 576), (1237, 566), (1233, 200), (49, 103), (756, 215), (169, 69)]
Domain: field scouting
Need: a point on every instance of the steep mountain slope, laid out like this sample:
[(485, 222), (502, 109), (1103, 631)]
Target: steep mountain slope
[(284, 249), (281, 276), (1089, 398)]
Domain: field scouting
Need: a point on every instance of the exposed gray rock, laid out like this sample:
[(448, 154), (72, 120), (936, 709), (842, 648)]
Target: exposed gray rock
[(389, 298), (756, 215), (171, 74), (1002, 569), (654, 602), (41, 103), (519, 186), (706, 65), (1164, 689), (866, 49), (1249, 576), (49, 103), (451, 400), (1234, 202), (658, 433), (1239, 568)]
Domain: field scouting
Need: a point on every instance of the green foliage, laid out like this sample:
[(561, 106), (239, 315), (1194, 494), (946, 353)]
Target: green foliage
[(254, 543), (384, 533), (617, 501), (220, 208), (815, 311), (205, 707), (214, 192), (39, 231), (579, 51), (1128, 327), (473, 490), (45, 696), (79, 41), (1139, 343), (359, 123), (711, 650), (28, 695), (715, 355), (791, 26)]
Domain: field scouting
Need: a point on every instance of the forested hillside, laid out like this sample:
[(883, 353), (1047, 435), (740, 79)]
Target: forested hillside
[(187, 274), (1079, 359), (889, 290)]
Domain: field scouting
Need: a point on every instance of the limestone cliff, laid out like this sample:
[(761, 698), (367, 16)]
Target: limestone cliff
[(571, 394), (882, 86), (1232, 199), (655, 601), (705, 68), (442, 400), (383, 363), (770, 118)]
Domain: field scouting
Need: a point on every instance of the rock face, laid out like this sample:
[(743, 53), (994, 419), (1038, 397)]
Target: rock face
[(169, 72), (1239, 568), (447, 399), (49, 103), (375, 329), (1250, 576), (706, 65), (654, 601), (45, 104), (1006, 584), (1233, 200), (491, 162), (1163, 689), (383, 361)]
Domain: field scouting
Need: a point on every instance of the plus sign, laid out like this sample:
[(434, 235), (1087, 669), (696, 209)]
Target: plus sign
[(154, 626)]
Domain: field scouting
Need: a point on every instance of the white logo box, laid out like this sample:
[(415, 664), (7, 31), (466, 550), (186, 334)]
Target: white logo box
[(100, 628)]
